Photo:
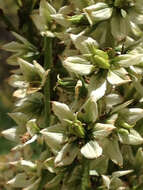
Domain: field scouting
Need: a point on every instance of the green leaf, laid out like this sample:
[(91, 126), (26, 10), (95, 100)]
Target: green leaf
[(91, 150)]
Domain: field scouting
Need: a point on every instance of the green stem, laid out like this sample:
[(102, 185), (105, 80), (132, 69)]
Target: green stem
[(47, 65), (45, 177), (85, 178)]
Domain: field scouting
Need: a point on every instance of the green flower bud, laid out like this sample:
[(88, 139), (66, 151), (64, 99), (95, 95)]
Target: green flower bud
[(123, 131), (76, 128), (78, 19), (125, 125), (101, 53), (101, 62), (80, 132), (67, 83)]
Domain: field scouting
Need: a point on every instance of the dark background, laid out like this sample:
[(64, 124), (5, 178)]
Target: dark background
[(6, 100)]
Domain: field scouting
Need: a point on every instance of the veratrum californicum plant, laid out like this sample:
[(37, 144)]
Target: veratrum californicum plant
[(79, 98)]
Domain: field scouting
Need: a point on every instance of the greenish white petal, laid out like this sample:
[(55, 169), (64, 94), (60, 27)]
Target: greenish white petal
[(62, 111), (112, 150), (91, 150), (66, 155)]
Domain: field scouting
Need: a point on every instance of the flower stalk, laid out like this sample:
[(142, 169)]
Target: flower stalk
[(47, 65)]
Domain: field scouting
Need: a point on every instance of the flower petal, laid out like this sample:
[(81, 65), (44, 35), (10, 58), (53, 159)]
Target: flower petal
[(91, 150), (67, 155), (62, 111)]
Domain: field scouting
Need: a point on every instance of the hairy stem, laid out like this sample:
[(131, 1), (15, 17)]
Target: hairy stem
[(47, 65)]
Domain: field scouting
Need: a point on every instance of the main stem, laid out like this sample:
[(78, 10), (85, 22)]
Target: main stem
[(47, 65)]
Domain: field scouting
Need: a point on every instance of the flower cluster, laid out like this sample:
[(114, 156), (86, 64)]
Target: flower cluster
[(93, 135)]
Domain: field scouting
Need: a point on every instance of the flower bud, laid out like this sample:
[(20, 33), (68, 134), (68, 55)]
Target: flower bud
[(101, 62), (67, 83), (123, 131), (101, 53), (76, 128), (78, 19), (80, 132), (125, 125)]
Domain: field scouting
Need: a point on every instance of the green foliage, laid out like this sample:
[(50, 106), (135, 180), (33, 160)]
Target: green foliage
[(78, 90)]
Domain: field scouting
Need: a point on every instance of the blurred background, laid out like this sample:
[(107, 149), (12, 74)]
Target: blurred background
[(9, 8)]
